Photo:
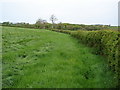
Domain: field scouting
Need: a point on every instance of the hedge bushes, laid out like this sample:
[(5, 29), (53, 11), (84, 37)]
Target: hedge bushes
[(106, 43)]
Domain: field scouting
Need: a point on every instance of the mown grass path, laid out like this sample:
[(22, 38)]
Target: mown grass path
[(35, 58)]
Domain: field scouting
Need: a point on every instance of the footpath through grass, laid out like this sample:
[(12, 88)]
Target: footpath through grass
[(35, 58)]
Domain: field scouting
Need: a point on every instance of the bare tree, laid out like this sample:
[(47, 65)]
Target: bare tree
[(53, 19)]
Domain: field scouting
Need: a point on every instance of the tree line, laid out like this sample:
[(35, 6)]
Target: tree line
[(43, 24)]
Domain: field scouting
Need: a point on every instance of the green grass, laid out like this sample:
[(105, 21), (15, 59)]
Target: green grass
[(35, 58)]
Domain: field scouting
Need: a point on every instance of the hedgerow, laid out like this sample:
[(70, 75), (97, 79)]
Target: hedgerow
[(106, 43)]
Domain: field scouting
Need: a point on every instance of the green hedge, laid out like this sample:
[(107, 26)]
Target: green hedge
[(106, 43)]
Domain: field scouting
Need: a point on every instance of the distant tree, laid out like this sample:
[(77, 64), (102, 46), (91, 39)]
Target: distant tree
[(6, 23), (41, 21), (53, 19)]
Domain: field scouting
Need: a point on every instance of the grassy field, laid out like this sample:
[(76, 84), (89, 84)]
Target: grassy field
[(35, 58)]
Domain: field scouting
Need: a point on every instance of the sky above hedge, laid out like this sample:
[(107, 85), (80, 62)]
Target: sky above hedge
[(67, 11)]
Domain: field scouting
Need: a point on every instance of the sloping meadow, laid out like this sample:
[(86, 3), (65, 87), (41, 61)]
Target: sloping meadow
[(106, 43)]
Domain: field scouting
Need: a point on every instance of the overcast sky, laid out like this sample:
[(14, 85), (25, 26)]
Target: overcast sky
[(67, 11)]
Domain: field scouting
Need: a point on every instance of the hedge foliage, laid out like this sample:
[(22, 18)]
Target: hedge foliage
[(106, 43), (43, 24)]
